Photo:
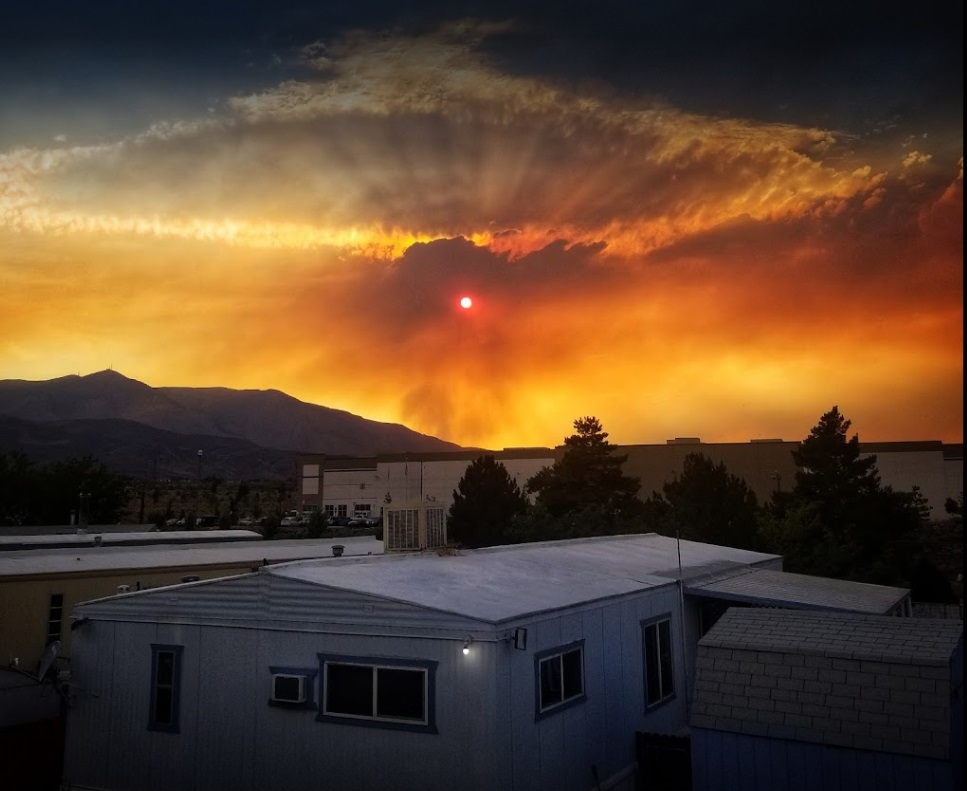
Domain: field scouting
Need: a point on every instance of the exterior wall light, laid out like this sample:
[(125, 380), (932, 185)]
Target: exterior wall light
[(466, 645)]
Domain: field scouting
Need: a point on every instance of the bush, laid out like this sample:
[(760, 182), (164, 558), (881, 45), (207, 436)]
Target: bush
[(270, 527), (317, 524)]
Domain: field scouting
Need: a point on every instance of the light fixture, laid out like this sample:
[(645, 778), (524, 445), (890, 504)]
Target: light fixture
[(466, 645)]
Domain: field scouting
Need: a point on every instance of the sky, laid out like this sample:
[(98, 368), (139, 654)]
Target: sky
[(687, 218)]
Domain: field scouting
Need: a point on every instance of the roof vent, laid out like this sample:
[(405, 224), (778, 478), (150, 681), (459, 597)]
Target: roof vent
[(98, 540)]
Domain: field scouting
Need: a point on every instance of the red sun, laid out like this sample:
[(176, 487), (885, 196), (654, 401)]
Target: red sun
[(466, 303)]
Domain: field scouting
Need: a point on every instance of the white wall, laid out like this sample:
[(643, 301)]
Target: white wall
[(488, 738)]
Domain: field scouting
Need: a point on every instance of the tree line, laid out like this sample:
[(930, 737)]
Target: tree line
[(838, 520), (47, 494)]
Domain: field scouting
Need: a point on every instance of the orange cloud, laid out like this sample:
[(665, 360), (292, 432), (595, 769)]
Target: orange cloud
[(673, 273)]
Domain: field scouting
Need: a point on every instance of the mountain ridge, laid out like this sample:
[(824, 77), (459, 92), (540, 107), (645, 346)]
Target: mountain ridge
[(267, 419)]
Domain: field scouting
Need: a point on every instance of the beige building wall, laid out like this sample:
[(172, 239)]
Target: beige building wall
[(25, 603), (766, 465), (903, 465)]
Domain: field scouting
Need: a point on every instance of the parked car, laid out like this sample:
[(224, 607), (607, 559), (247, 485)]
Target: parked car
[(291, 521)]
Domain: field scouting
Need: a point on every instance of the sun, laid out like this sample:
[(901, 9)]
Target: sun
[(466, 302)]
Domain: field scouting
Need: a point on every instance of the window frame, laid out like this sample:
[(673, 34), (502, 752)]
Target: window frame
[(665, 696), (55, 618), (174, 726), (426, 667), (542, 657)]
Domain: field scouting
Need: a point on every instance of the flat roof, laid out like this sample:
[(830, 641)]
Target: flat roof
[(502, 583), (128, 537), (784, 589), (105, 559)]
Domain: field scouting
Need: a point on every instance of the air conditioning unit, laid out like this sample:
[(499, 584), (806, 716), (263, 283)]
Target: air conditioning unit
[(287, 688)]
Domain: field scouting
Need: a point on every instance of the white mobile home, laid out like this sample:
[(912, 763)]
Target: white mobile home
[(526, 667)]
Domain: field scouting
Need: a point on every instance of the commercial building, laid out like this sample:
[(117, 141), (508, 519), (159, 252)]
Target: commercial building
[(363, 486)]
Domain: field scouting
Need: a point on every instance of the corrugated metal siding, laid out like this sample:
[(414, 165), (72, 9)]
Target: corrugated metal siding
[(724, 761), (271, 601), (230, 738), (485, 710), (558, 751)]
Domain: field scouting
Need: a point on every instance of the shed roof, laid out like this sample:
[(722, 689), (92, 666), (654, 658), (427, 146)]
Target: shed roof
[(105, 559), (922, 641), (799, 591)]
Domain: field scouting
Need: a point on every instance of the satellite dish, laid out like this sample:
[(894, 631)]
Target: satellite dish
[(48, 659)]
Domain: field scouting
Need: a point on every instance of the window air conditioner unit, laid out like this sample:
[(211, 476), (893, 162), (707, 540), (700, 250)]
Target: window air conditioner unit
[(288, 688)]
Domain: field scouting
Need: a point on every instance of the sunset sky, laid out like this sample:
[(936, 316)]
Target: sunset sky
[(686, 218)]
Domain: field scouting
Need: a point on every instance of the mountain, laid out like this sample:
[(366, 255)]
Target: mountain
[(108, 411), (142, 451)]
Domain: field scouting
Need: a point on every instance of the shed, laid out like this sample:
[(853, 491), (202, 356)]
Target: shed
[(827, 700)]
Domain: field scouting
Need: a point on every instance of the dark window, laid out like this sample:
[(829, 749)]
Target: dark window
[(55, 617), (349, 690), (165, 688), (659, 673), (560, 677), (388, 693), (401, 694)]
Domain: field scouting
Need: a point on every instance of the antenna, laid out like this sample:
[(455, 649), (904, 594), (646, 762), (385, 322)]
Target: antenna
[(48, 659)]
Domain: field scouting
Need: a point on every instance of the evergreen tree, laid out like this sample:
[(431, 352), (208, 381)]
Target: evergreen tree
[(838, 521), (707, 503), (588, 476), (831, 472), (484, 503)]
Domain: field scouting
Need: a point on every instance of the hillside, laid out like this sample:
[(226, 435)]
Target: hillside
[(139, 429)]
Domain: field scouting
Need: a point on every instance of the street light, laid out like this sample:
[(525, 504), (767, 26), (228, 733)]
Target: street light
[(200, 454)]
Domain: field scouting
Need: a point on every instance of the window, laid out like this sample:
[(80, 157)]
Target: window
[(560, 678), (342, 510), (55, 617), (165, 688), (659, 673), (386, 693), (329, 510)]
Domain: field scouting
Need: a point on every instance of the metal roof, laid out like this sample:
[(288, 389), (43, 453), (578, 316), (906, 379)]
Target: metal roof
[(105, 559), (799, 591), (502, 583)]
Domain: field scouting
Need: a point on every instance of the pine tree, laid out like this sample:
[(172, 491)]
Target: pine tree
[(707, 503), (484, 503), (588, 476)]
